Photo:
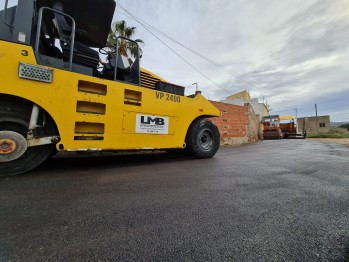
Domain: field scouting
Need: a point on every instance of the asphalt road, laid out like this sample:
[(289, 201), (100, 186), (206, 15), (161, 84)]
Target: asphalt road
[(282, 200)]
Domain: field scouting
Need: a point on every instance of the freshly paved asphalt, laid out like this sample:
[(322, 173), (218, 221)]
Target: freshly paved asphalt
[(282, 200)]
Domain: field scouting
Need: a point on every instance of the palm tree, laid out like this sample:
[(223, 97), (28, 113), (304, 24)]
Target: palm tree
[(126, 48)]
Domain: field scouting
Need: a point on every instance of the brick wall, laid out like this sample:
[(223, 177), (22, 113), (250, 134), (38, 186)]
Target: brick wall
[(237, 124)]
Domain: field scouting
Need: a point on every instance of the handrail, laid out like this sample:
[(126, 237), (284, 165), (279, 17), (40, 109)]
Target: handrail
[(38, 32)]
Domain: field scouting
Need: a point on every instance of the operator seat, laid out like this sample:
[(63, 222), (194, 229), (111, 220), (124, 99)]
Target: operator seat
[(47, 46), (134, 76), (123, 68), (82, 54)]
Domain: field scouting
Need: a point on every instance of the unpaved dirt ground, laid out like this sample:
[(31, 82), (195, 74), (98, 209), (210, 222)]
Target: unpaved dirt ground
[(342, 141)]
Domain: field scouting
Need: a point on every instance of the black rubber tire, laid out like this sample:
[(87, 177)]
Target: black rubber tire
[(202, 138), (15, 117)]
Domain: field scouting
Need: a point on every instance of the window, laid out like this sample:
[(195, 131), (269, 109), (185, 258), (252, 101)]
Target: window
[(8, 14), (10, 3), (322, 125)]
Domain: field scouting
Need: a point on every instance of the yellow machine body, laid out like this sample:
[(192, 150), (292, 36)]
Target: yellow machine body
[(96, 114)]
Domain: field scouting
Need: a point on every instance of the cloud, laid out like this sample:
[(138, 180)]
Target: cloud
[(292, 52)]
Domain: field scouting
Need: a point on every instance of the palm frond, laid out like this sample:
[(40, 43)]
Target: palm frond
[(120, 28)]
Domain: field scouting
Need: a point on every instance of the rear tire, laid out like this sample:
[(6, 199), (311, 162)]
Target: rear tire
[(203, 139), (15, 117)]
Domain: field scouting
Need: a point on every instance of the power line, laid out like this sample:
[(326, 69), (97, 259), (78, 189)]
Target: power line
[(149, 27), (197, 70), (224, 68)]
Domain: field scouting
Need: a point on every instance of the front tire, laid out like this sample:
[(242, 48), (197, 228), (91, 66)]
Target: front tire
[(203, 138), (14, 117)]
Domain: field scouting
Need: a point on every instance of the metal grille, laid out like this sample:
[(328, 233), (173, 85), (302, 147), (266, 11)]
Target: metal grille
[(34, 72), (148, 81)]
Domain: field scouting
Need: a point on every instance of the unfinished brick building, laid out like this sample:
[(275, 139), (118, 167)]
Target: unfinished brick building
[(237, 124)]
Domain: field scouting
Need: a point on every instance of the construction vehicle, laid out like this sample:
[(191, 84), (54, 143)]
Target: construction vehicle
[(289, 128), (55, 97), (280, 126), (271, 127)]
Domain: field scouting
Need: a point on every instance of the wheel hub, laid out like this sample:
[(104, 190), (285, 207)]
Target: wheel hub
[(206, 139), (12, 146), (7, 146)]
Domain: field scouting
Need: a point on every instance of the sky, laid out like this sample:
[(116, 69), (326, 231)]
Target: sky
[(291, 53)]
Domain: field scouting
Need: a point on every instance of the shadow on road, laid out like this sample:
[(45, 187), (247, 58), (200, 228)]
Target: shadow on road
[(77, 161)]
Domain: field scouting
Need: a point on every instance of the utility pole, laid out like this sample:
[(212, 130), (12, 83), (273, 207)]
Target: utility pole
[(317, 127), (296, 122)]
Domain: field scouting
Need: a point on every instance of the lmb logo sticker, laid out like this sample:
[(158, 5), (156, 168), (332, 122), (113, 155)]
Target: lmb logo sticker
[(150, 124)]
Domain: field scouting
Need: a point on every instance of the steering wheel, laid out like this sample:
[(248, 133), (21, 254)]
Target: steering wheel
[(107, 50)]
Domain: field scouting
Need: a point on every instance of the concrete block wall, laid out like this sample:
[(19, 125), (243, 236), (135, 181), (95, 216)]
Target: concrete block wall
[(314, 125), (237, 124)]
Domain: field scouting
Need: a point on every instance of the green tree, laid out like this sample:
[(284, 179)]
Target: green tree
[(126, 48), (345, 126)]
